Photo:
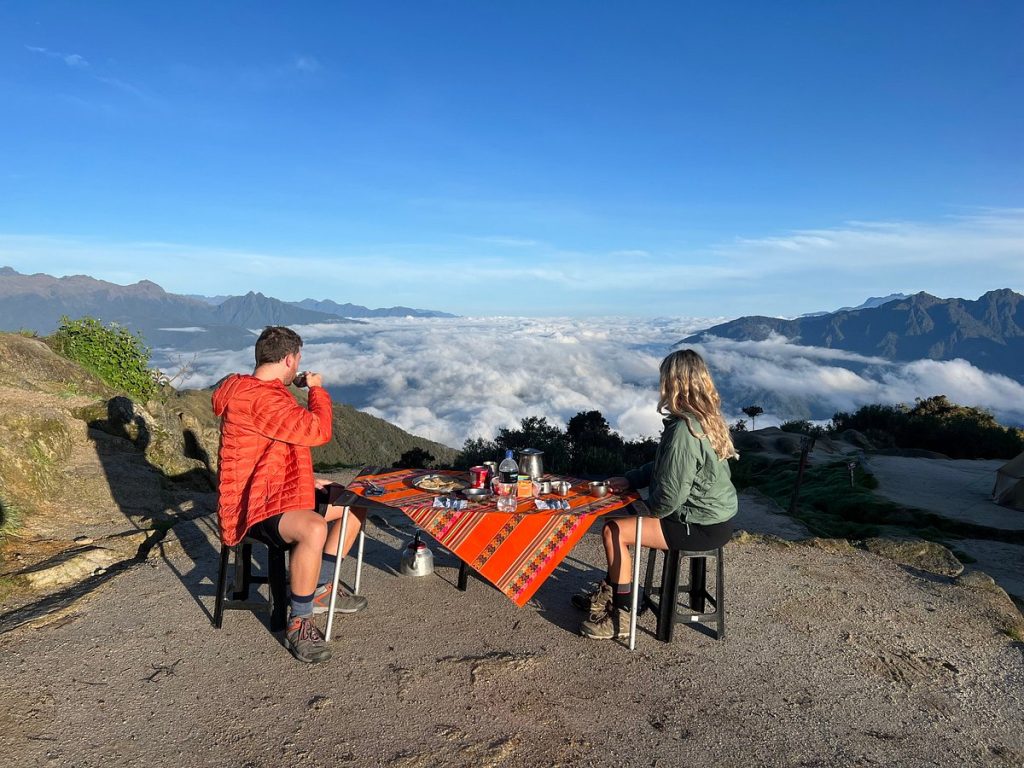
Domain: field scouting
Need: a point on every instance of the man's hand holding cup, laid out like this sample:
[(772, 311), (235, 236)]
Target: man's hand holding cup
[(308, 379)]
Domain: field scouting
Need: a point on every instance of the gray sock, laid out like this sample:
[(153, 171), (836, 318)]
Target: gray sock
[(327, 570), (301, 606)]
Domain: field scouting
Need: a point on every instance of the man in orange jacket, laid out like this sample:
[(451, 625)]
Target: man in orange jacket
[(267, 488)]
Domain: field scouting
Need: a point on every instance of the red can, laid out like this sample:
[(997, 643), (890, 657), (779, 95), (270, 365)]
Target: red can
[(479, 476)]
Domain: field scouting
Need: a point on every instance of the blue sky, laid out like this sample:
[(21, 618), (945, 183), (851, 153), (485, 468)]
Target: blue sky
[(570, 158)]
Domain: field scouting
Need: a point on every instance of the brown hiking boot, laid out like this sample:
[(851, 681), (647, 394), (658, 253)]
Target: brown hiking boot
[(611, 623), (596, 600)]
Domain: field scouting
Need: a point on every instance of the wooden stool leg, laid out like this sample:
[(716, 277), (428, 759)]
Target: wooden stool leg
[(669, 598), (222, 575), (278, 588), (463, 575)]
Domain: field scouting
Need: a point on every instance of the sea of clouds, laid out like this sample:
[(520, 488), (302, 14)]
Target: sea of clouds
[(453, 379)]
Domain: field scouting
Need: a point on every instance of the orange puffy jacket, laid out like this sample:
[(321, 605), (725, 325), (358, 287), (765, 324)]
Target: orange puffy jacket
[(265, 463)]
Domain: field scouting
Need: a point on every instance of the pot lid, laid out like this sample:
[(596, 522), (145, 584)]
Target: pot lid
[(530, 452)]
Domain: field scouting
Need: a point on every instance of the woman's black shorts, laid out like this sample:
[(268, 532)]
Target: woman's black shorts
[(695, 537)]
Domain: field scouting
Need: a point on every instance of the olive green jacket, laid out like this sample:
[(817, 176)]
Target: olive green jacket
[(687, 480)]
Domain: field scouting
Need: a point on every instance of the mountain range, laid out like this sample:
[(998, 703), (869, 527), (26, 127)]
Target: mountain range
[(186, 323), (871, 303), (987, 332)]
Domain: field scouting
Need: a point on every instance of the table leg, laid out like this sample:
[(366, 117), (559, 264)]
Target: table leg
[(337, 574), (359, 559), (635, 599), (463, 575)]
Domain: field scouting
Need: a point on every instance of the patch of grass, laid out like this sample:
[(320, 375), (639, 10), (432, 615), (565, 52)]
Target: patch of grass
[(10, 519), (70, 389)]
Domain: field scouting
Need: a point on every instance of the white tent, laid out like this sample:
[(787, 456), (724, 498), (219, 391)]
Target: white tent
[(1009, 488)]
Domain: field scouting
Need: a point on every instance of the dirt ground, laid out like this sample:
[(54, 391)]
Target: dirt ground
[(831, 658)]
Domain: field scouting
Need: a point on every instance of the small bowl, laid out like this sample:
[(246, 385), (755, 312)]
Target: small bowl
[(476, 494), (599, 488)]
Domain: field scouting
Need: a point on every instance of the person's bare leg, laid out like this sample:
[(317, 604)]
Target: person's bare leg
[(619, 535), (356, 517), (307, 531)]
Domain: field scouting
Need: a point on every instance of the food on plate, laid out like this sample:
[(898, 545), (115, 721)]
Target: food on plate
[(439, 484)]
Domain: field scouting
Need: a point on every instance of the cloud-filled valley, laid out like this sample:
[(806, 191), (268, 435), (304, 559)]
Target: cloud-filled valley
[(453, 379)]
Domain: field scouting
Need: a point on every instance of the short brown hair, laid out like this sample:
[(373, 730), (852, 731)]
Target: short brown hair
[(276, 343)]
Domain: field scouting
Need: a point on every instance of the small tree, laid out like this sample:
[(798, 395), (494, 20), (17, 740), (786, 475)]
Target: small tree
[(753, 411)]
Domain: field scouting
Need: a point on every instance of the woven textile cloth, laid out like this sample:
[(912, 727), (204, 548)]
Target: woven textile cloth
[(515, 552)]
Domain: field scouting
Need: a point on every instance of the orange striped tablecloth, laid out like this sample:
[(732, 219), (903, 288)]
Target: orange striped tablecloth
[(514, 551)]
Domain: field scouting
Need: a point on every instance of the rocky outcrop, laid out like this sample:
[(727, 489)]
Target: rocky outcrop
[(917, 553)]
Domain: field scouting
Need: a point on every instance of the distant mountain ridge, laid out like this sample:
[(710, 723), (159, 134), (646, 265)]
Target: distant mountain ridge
[(187, 323), (357, 310), (987, 332), (871, 303)]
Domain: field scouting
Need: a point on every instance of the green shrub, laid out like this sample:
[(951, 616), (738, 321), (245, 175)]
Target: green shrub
[(935, 424), (112, 352)]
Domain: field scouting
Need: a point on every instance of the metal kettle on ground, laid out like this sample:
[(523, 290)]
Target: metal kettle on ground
[(417, 560)]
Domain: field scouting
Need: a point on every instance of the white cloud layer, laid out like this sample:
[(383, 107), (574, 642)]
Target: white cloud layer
[(455, 379)]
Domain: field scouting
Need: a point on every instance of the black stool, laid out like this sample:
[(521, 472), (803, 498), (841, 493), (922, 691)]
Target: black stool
[(243, 579), (668, 609)]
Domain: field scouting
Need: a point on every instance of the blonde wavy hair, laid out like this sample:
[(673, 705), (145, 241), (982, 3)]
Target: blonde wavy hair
[(687, 390)]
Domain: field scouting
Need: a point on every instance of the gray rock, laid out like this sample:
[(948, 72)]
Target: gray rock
[(918, 553)]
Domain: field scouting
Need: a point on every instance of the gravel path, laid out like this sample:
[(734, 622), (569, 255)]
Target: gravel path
[(831, 659)]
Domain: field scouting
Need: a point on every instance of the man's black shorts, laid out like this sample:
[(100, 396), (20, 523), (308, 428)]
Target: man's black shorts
[(268, 531)]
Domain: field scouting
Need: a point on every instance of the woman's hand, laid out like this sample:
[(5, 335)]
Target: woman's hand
[(618, 484), (321, 484)]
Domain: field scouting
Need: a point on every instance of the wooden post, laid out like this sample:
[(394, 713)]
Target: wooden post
[(806, 444)]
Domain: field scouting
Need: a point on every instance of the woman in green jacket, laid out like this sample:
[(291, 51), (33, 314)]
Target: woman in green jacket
[(691, 496)]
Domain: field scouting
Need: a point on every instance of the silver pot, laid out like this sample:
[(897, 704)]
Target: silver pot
[(531, 463)]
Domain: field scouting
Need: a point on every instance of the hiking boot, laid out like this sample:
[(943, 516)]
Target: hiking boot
[(346, 603), (304, 640), (596, 600), (612, 622)]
